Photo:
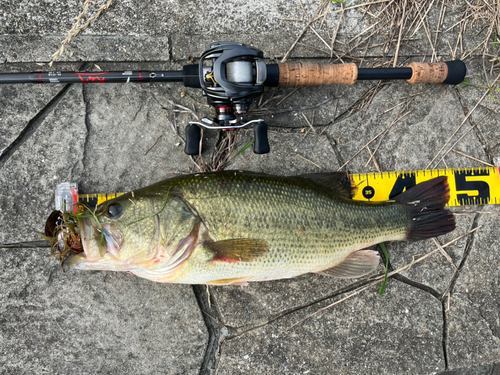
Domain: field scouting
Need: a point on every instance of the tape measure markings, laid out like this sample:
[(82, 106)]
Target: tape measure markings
[(468, 186)]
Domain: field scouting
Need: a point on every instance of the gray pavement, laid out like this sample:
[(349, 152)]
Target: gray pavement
[(436, 317)]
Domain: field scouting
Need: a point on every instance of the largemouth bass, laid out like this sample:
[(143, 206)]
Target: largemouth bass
[(234, 227)]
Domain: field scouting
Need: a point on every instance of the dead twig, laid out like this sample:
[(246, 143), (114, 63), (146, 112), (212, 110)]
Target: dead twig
[(309, 161), (157, 139), (472, 158)]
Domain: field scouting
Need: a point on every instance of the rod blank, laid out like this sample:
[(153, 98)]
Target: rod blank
[(92, 77)]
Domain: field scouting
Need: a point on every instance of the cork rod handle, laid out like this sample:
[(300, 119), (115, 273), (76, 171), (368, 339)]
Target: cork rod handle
[(428, 72), (313, 74)]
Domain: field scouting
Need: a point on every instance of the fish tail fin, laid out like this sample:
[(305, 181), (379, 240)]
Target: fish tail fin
[(425, 210)]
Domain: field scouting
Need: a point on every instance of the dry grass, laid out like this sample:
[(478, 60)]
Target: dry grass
[(78, 27), (223, 152), (390, 25), (483, 15)]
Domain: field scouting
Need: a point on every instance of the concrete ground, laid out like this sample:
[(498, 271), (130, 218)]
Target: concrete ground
[(435, 317)]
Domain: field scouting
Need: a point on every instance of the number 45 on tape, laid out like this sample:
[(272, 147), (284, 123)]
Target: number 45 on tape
[(468, 186)]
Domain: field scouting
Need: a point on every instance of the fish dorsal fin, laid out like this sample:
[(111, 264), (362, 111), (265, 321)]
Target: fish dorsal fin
[(357, 264), (338, 182), (238, 250)]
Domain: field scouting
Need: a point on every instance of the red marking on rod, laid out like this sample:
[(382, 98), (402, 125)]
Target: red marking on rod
[(90, 77), (140, 76), (41, 80)]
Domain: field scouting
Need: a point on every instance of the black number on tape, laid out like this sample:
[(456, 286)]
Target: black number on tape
[(482, 187), (368, 192), (403, 183)]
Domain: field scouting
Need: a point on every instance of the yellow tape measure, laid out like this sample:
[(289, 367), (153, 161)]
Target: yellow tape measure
[(468, 186)]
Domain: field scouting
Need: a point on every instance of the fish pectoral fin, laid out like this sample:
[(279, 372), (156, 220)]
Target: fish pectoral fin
[(238, 250), (234, 281), (357, 264)]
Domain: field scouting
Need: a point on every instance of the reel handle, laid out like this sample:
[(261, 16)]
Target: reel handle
[(314, 74), (193, 136), (261, 143)]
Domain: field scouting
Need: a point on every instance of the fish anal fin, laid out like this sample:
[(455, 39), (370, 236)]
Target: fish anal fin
[(233, 281), (238, 250), (337, 182), (357, 264)]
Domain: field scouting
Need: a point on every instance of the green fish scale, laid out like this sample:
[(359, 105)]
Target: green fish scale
[(308, 227)]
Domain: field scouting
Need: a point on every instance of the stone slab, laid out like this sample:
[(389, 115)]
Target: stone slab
[(93, 322), (53, 322), (394, 334), (474, 305), (21, 103)]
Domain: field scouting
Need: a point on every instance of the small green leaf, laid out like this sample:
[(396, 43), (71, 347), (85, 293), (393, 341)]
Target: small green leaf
[(339, 2), (244, 148), (495, 42), (492, 97), (464, 83), (382, 287)]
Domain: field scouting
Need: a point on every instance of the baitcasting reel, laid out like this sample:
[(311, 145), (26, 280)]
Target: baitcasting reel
[(230, 75)]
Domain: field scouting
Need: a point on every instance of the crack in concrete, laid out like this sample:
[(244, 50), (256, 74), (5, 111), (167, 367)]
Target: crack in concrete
[(433, 292), (336, 151), (444, 339), (32, 125), (141, 106), (170, 49), (86, 101), (425, 288), (35, 122), (468, 249), (449, 290), (217, 333)]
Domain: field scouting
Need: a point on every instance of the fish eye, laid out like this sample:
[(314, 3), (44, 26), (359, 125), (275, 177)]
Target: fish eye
[(114, 210)]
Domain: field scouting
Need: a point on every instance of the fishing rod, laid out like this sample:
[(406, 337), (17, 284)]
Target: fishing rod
[(231, 74)]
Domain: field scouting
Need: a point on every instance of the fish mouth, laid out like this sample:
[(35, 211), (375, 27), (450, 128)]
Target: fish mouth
[(101, 244)]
